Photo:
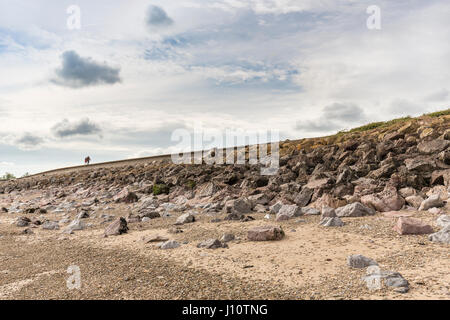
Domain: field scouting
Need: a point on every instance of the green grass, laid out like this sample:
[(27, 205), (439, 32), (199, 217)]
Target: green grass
[(160, 189), (438, 113)]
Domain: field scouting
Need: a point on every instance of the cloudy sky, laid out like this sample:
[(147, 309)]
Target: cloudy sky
[(135, 71)]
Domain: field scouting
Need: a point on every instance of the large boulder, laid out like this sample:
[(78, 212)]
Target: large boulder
[(288, 211), (238, 206), (304, 197), (442, 236), (443, 220), (50, 225), (117, 227), (75, 225), (126, 196), (376, 279), (355, 209), (265, 233), (433, 146), (414, 201), (387, 200), (412, 226), (420, 164), (185, 218), (434, 201)]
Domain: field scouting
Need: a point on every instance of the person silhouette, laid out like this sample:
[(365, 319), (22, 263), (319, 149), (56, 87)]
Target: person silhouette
[(87, 160)]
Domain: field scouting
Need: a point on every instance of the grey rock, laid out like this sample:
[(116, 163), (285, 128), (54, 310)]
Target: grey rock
[(443, 221), (50, 225), (304, 197), (310, 211), (212, 244), (227, 237), (355, 209), (331, 222), (185, 218), (276, 207), (442, 236), (359, 261), (170, 244), (434, 201)]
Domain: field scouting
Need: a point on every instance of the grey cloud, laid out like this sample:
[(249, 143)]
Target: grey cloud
[(334, 117), (83, 127), (28, 141), (157, 17), (78, 72), (343, 112), (318, 125)]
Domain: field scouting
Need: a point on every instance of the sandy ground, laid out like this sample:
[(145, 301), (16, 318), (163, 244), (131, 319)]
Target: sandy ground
[(309, 263)]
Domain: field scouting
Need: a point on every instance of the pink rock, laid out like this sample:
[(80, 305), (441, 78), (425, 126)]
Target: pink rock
[(126, 196), (412, 226), (387, 200)]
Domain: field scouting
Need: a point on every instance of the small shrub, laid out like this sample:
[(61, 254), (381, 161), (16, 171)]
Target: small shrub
[(191, 184), (160, 189)]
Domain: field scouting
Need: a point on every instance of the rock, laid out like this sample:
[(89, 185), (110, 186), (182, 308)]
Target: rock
[(310, 211), (227, 237), (74, 226), (206, 190), (238, 206), (331, 222), (412, 226), (154, 238), (328, 212), (175, 230), (359, 261), (266, 233), (83, 215), (434, 201), (212, 244), (131, 218), (170, 244), (117, 227), (4, 210), (443, 221), (420, 164), (442, 236), (290, 210), (433, 146), (148, 213), (260, 208), (185, 218), (355, 209), (126, 196), (440, 177), (376, 278), (276, 207), (414, 201), (304, 197), (23, 222), (260, 199), (387, 200), (50, 225)]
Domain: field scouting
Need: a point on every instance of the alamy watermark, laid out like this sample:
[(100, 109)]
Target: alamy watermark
[(74, 19), (374, 20), (246, 147)]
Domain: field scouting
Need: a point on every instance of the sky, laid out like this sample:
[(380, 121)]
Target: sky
[(114, 79)]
